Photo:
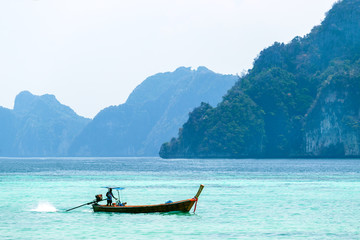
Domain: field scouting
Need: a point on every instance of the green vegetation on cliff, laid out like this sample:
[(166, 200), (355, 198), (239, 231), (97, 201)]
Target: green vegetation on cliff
[(277, 109)]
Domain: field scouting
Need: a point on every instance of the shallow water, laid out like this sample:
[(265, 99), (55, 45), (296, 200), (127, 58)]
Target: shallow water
[(242, 199)]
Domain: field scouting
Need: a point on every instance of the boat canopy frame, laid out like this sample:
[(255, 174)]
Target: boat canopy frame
[(118, 189)]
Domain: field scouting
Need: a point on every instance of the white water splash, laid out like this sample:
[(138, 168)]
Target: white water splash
[(44, 207)]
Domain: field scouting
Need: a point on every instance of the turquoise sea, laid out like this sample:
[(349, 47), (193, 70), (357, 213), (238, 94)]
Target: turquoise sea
[(242, 199)]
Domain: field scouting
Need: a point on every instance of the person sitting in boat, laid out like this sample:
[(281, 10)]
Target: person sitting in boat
[(109, 196)]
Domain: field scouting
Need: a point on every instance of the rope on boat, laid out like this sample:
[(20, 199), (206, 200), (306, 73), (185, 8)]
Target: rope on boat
[(196, 200)]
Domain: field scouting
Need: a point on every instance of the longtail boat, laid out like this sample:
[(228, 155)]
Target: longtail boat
[(182, 206)]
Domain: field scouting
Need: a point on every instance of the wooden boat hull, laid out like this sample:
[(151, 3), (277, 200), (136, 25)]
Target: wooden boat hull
[(182, 206)]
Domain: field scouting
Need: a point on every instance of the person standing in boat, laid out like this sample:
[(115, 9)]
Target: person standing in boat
[(109, 196)]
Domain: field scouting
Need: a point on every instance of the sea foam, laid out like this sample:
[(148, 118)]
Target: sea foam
[(44, 207)]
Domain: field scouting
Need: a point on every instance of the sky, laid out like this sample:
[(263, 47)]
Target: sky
[(91, 54)]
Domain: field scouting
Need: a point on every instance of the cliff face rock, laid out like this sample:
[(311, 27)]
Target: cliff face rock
[(332, 127), (153, 113)]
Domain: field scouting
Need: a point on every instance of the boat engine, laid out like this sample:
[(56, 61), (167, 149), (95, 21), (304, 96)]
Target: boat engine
[(98, 197)]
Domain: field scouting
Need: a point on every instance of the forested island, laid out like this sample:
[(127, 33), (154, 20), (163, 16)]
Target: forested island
[(300, 99)]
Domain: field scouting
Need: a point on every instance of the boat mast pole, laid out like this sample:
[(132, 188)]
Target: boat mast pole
[(199, 191)]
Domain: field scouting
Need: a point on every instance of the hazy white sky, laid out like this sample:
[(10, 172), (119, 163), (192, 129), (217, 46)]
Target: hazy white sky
[(92, 53)]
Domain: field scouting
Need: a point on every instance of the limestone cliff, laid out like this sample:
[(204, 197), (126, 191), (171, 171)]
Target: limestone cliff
[(332, 127)]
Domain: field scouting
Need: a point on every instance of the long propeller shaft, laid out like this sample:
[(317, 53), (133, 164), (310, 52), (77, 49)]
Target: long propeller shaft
[(81, 205)]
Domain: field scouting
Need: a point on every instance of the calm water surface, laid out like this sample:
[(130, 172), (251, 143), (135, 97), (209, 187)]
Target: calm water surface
[(242, 199)]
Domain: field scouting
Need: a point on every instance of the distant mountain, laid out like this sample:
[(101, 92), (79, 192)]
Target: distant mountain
[(152, 114), (7, 131), (300, 99), (38, 126)]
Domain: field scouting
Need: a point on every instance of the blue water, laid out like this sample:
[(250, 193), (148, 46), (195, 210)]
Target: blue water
[(242, 199)]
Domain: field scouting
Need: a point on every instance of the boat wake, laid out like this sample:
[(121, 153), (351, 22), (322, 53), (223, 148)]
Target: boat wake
[(44, 207)]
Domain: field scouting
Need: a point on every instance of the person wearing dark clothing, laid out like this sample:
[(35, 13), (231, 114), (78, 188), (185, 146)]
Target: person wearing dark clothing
[(109, 196)]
